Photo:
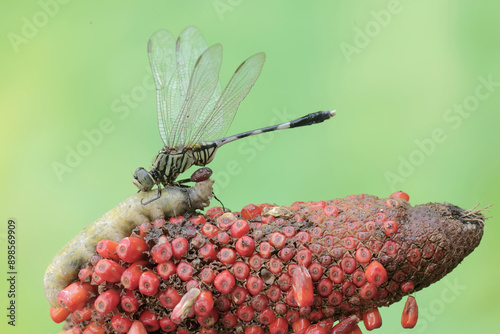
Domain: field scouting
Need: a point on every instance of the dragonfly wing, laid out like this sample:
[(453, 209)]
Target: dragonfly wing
[(217, 122), (161, 51), (202, 85), (189, 48)]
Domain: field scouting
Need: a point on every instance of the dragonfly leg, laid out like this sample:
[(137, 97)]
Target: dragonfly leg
[(218, 200), (154, 198)]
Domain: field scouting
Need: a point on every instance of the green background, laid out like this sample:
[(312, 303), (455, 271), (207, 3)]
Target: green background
[(393, 70)]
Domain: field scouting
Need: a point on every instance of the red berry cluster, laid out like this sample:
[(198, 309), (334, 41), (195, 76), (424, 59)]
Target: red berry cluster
[(265, 269)]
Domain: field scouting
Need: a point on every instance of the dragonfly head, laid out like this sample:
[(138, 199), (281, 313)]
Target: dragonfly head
[(143, 179)]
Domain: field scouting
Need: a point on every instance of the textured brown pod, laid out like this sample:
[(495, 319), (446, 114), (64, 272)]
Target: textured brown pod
[(360, 252)]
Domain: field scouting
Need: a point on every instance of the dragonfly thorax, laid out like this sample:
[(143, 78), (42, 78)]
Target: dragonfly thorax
[(172, 161)]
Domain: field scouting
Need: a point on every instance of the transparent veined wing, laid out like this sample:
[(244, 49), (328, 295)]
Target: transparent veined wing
[(217, 122), (172, 63), (196, 65), (161, 51)]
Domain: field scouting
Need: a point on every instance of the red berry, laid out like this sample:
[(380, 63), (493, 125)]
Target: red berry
[(280, 308), (278, 326), (390, 227), (223, 304), (255, 285), (137, 328), (250, 211), (223, 237), (85, 274), (331, 211), (107, 301), (192, 284), (363, 255), (265, 250), (128, 302), (121, 323), (198, 220), (255, 262), (325, 287), (215, 212), (131, 249), (274, 293), (167, 325), (358, 278), (227, 255), (107, 249), (184, 271), (304, 257), (224, 282), (267, 219), (289, 231), (245, 312), (239, 228), (300, 326), (204, 303), (166, 269), (162, 251), (208, 252), (209, 230), (277, 239), (410, 313), (254, 330), (229, 320), (315, 270), (82, 314), (149, 320), (149, 283), (285, 282), (375, 273), (74, 296), (348, 264), (239, 295), (176, 220), (347, 326), (266, 316), (241, 270), (292, 316), (260, 302), (245, 246), (207, 275), (401, 194), (303, 237), (208, 320), (368, 291), (169, 298), (109, 270), (302, 287), (143, 229), (286, 254), (372, 319), (95, 328), (59, 314), (275, 265)]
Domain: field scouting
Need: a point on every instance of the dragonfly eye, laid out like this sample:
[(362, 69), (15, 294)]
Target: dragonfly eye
[(143, 179)]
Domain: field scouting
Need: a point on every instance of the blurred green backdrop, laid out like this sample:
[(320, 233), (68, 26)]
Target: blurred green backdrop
[(415, 84)]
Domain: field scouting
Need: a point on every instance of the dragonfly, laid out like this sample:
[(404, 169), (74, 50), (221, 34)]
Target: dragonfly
[(194, 113)]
